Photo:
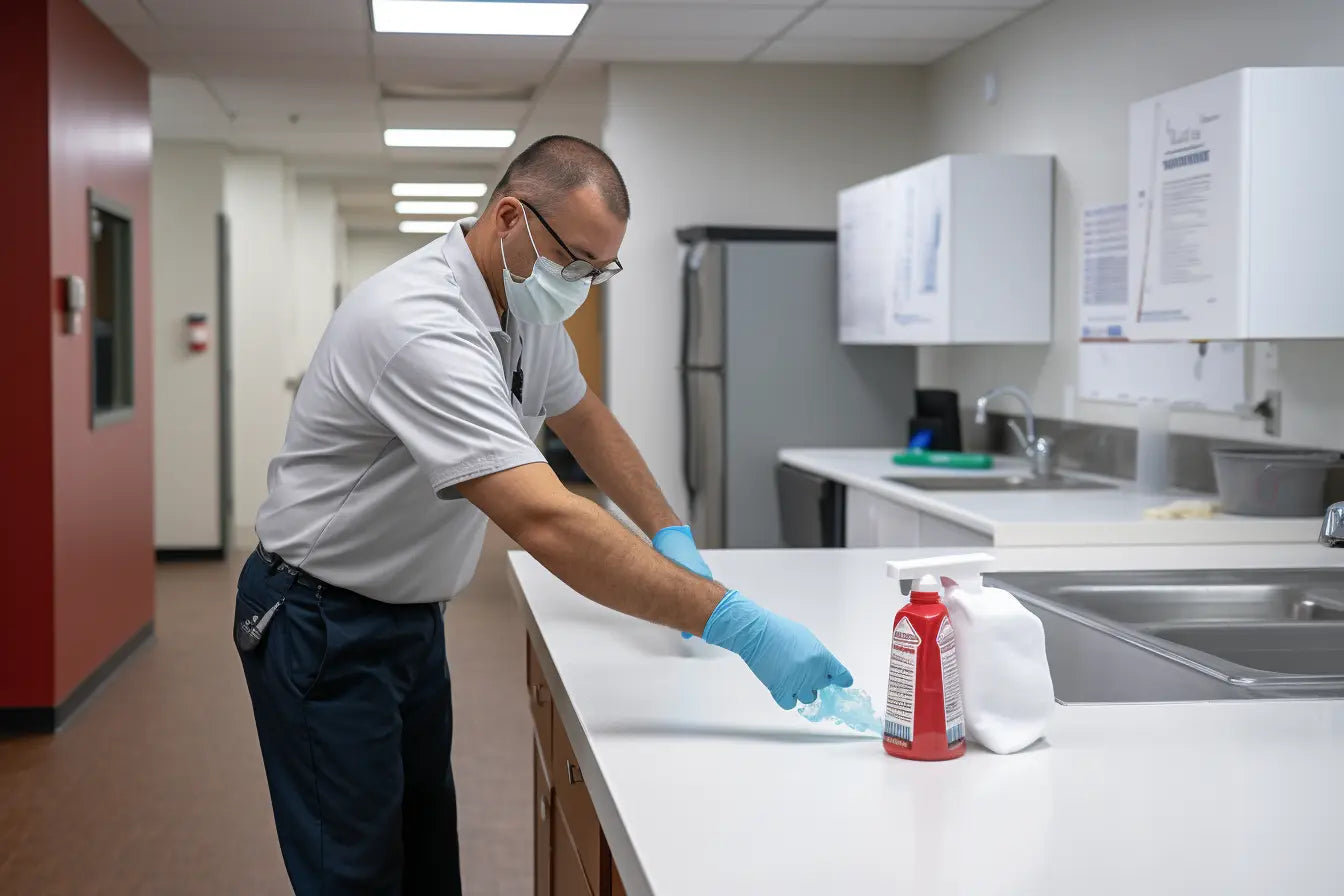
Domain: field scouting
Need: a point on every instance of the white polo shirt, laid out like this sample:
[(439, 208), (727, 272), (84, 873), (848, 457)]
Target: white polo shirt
[(412, 390)]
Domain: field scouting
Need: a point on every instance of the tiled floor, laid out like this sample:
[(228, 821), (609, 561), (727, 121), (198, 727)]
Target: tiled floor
[(156, 786)]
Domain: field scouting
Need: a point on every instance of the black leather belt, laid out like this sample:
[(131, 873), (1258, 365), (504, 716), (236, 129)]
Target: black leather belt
[(278, 564)]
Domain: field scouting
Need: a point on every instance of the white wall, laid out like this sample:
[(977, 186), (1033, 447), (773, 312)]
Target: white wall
[(314, 268), (259, 198), (1067, 74), (188, 193), (718, 144), (368, 253)]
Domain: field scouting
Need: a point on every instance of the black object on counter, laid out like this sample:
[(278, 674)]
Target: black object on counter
[(936, 410)]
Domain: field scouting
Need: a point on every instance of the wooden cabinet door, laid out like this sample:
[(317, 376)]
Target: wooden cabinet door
[(539, 696), (617, 888), (571, 798), (568, 877), (543, 828)]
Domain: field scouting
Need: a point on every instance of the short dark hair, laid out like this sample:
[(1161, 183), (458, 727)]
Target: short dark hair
[(555, 166)]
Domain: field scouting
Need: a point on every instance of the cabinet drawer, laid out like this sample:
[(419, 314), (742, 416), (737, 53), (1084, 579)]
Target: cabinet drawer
[(934, 531), (542, 826), (539, 696), (572, 799), (875, 522), (568, 876)]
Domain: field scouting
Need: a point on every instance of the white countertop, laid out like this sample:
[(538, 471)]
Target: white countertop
[(1016, 519), (703, 786)]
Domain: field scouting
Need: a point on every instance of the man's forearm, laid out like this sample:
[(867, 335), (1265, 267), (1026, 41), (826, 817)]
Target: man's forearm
[(599, 558), (609, 456)]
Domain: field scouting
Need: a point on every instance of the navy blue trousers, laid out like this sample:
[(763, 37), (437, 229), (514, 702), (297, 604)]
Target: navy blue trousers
[(354, 714)]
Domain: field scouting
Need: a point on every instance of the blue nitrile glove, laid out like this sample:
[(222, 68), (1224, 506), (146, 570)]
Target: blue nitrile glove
[(785, 656), (678, 545)]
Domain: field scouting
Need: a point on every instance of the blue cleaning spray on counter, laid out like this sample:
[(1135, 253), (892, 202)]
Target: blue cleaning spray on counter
[(850, 707)]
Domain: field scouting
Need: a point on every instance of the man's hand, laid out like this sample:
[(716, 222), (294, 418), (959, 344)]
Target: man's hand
[(785, 656), (604, 561), (678, 545)]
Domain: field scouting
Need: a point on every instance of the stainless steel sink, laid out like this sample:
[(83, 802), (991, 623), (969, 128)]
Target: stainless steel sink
[(1284, 648), (1141, 604), (999, 483), (1251, 633)]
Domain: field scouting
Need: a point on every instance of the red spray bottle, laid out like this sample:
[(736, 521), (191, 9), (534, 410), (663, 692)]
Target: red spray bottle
[(924, 717)]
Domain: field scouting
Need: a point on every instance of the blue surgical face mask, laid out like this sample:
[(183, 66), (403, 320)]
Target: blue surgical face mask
[(545, 297)]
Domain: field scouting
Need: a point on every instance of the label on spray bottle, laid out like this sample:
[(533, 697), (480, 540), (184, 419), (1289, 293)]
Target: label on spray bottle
[(947, 653), (900, 723)]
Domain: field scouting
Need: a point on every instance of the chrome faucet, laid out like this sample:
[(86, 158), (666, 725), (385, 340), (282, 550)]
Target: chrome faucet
[(1039, 450), (1332, 527)]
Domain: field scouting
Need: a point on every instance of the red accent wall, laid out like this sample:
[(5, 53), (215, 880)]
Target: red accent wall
[(85, 546), (27, 637)]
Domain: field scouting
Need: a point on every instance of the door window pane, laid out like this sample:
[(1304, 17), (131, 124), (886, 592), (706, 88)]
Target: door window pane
[(111, 305)]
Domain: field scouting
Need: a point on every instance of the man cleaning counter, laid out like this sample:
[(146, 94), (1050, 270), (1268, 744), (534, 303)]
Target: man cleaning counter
[(700, 789)]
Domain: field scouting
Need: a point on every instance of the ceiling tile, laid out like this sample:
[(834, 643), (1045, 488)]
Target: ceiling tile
[(119, 12), (327, 101), (744, 4), (444, 157), (375, 199), (343, 15), (583, 76), (381, 174), (361, 219), (501, 71), (885, 52), (246, 42), (686, 20), (452, 114), (301, 140), (652, 49), (314, 70), (150, 46), (183, 109), (1020, 5), (905, 24), (461, 46)]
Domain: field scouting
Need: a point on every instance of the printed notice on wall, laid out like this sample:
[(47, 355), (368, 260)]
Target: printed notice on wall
[(865, 235), (1211, 376), (1185, 154), (1105, 269)]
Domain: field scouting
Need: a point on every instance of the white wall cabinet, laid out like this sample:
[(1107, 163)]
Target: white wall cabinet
[(954, 251), (1235, 196), (876, 522)]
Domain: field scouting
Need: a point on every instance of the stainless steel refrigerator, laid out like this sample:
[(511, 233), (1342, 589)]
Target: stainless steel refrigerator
[(763, 369)]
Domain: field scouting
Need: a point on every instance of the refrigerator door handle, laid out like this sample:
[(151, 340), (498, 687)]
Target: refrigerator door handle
[(689, 467), (691, 300)]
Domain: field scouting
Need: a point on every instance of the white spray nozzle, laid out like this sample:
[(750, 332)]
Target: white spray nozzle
[(966, 569)]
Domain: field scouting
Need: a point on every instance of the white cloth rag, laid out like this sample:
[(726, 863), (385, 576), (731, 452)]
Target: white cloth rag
[(1006, 691)]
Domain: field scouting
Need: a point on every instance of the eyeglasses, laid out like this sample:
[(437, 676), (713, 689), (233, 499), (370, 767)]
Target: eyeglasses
[(578, 269)]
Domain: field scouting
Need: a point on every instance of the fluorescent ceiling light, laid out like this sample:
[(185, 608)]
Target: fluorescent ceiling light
[(426, 226), (468, 190), (457, 139), (489, 17), (413, 207)]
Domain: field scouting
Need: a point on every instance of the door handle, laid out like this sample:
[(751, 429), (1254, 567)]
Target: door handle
[(573, 772)]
